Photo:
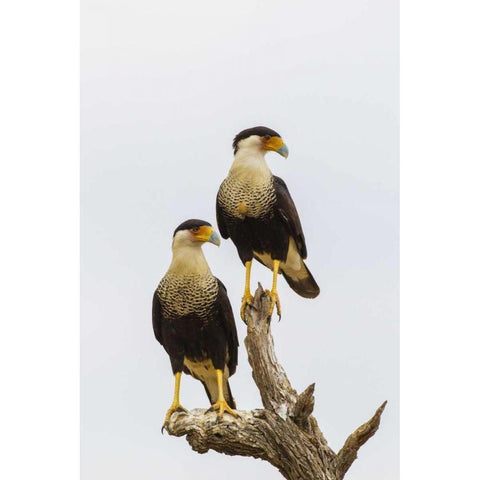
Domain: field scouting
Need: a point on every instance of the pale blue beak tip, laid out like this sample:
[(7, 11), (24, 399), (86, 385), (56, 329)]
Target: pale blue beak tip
[(215, 239), (283, 151)]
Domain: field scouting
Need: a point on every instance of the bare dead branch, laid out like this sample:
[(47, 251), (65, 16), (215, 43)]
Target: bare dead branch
[(303, 408), (284, 433)]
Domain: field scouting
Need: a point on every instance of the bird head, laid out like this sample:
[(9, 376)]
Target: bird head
[(262, 139), (195, 232)]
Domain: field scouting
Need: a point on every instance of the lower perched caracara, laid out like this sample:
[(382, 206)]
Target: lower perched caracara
[(193, 319)]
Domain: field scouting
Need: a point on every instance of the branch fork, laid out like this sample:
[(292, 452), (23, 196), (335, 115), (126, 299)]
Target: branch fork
[(284, 432)]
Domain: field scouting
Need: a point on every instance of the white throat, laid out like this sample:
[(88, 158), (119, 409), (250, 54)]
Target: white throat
[(249, 163), (187, 256), (189, 260)]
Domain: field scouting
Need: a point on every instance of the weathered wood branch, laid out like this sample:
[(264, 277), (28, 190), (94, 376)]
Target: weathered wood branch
[(284, 432), (348, 453)]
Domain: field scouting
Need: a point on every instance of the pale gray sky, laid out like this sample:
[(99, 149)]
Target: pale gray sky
[(165, 87)]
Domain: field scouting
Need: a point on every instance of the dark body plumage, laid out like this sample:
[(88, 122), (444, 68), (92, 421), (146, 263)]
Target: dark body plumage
[(193, 320), (255, 210)]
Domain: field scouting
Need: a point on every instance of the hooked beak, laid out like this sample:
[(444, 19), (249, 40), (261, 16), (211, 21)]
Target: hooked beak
[(206, 234), (276, 144), (214, 238), (283, 151)]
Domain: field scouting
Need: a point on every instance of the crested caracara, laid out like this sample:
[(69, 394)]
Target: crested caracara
[(193, 319), (255, 210)]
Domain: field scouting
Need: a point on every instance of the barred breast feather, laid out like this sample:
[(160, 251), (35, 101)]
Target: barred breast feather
[(182, 295), (240, 198)]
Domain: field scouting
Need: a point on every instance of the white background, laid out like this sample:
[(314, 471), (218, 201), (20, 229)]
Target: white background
[(39, 200)]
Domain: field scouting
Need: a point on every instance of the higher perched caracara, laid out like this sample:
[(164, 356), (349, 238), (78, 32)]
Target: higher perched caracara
[(193, 319), (255, 209)]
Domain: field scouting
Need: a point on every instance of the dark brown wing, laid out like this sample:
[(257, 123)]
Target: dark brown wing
[(222, 226), (157, 317), (227, 319), (289, 215)]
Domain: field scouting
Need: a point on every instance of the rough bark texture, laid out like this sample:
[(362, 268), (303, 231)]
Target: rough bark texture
[(284, 432)]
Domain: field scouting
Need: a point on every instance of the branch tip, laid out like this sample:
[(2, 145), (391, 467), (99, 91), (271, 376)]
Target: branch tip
[(359, 437)]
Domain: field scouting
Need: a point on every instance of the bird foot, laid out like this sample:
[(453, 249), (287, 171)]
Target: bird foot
[(174, 408), (222, 406), (274, 302), (246, 300)]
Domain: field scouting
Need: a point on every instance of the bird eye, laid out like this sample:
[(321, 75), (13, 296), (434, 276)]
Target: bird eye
[(267, 137), (195, 229)]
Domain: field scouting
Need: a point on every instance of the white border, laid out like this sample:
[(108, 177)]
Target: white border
[(439, 238), (39, 201)]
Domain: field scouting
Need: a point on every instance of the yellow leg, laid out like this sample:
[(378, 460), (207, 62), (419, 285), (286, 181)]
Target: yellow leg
[(274, 300), (221, 405), (247, 296), (175, 407)]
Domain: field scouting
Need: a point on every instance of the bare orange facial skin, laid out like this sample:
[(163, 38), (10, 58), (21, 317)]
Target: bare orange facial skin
[(274, 143), (203, 233)]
